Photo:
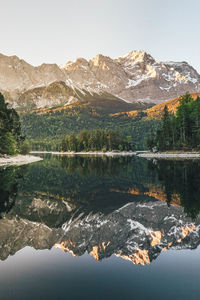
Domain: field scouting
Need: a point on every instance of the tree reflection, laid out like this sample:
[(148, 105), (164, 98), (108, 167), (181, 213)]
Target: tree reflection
[(182, 178), (96, 166), (9, 179)]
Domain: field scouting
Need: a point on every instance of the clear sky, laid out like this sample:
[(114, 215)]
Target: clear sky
[(57, 31)]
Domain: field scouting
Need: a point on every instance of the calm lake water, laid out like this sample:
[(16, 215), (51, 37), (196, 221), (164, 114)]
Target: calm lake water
[(100, 228)]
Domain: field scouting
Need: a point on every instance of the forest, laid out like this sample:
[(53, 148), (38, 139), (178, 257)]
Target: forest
[(94, 140), (179, 131), (46, 131), (11, 139)]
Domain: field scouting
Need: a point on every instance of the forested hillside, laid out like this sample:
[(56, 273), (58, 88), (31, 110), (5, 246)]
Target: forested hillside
[(10, 129), (155, 112), (46, 129), (180, 130)]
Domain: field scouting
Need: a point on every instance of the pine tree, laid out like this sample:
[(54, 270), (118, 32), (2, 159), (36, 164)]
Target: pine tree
[(10, 129), (182, 130)]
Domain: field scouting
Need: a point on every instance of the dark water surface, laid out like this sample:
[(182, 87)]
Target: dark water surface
[(100, 228)]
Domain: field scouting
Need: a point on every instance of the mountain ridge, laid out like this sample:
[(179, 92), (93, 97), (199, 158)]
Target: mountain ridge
[(134, 78)]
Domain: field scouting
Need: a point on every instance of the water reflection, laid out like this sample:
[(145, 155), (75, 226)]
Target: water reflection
[(9, 179), (127, 207), (180, 182)]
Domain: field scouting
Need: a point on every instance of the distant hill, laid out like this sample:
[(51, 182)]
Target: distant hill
[(155, 112)]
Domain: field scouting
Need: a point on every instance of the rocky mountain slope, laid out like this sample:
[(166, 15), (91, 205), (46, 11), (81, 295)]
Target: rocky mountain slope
[(135, 77), (16, 75), (59, 95)]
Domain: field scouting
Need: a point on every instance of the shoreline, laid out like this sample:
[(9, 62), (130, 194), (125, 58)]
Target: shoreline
[(97, 153), (166, 155), (142, 154), (18, 160)]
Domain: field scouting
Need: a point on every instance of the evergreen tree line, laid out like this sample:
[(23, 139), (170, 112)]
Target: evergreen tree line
[(11, 140), (96, 140), (180, 131)]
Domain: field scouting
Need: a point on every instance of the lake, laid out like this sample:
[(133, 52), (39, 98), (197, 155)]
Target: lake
[(100, 228)]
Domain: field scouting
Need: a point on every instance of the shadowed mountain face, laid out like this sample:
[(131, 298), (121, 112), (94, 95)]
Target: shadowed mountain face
[(58, 96), (103, 206)]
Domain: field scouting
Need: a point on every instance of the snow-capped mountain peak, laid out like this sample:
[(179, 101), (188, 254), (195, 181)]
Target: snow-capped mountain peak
[(134, 77), (136, 56)]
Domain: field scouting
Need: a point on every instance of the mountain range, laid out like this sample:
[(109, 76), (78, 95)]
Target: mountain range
[(131, 81)]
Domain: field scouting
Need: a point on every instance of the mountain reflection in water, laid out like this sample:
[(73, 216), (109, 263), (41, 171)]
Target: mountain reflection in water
[(123, 206)]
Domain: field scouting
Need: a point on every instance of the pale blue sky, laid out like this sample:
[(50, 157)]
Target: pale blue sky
[(57, 31)]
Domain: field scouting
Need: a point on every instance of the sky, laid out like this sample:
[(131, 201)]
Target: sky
[(58, 31)]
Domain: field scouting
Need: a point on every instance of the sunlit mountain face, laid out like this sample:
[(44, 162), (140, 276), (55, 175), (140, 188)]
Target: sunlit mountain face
[(132, 78), (125, 206)]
